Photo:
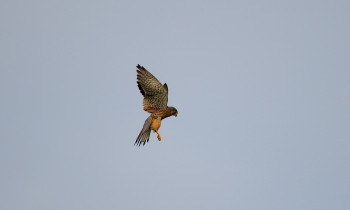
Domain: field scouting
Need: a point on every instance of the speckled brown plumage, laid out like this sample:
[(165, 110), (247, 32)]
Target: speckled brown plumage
[(155, 102)]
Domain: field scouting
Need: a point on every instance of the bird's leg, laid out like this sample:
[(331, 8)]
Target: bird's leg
[(159, 137)]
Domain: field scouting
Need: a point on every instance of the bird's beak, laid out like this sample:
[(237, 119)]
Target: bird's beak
[(175, 114)]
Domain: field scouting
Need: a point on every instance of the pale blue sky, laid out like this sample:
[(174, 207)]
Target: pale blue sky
[(262, 89)]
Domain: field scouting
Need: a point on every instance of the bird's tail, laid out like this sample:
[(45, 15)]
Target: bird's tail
[(145, 133)]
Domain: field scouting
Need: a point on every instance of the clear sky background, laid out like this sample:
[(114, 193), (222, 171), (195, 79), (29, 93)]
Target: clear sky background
[(262, 89)]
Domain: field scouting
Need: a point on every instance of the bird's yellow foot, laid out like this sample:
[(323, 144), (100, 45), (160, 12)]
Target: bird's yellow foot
[(159, 137)]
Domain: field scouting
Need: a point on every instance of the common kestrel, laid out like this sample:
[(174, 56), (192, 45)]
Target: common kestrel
[(155, 102)]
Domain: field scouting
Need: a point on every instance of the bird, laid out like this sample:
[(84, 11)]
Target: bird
[(155, 100)]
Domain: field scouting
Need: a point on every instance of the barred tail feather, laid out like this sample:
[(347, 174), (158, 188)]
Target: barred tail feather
[(145, 133)]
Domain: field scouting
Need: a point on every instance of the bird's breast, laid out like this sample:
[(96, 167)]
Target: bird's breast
[(155, 123)]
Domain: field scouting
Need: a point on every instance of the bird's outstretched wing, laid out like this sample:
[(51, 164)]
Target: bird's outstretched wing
[(155, 94)]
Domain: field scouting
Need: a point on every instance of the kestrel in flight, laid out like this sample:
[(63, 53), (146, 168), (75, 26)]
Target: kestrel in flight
[(155, 102)]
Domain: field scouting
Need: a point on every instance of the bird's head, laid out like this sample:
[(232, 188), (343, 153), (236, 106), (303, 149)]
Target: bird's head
[(173, 111)]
